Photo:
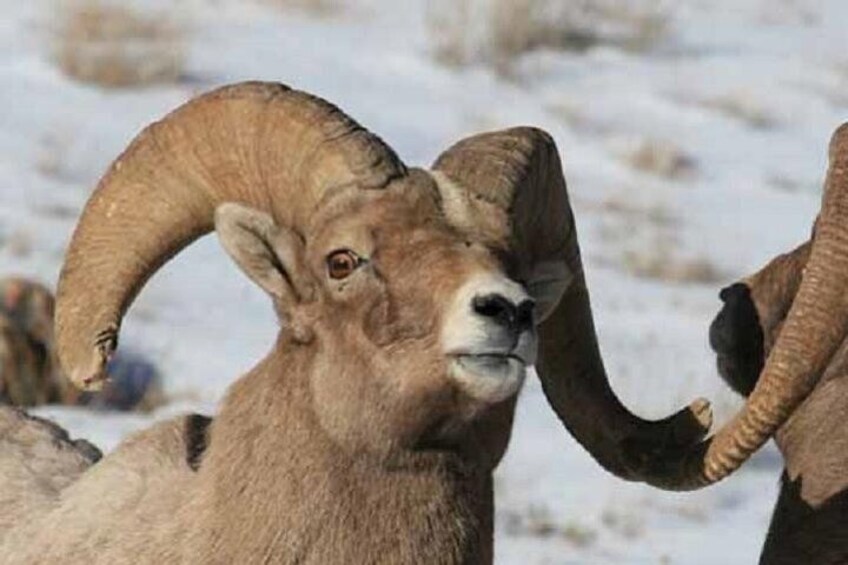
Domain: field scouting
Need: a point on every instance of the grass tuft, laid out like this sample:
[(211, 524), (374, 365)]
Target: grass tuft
[(111, 45), (498, 32), (320, 8)]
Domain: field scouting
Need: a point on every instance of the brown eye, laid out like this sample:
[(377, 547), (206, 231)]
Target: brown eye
[(341, 263)]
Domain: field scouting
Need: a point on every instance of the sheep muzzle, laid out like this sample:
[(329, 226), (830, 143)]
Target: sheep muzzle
[(489, 337)]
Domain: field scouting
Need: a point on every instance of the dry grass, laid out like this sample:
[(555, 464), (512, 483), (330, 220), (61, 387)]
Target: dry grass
[(512, 28), (633, 25), (692, 512), (659, 158), (744, 107), (642, 238), (447, 24), (625, 210), (626, 524), (312, 7), (837, 91), (620, 208), (18, 244), (659, 262), (536, 521), (115, 46), (58, 211), (789, 13), (50, 159), (786, 184)]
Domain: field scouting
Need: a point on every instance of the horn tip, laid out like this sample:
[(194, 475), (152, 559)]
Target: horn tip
[(88, 380), (702, 411), (94, 375)]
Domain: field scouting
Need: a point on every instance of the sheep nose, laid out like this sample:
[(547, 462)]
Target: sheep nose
[(504, 312)]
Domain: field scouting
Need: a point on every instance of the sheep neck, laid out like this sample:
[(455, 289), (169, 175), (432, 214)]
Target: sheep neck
[(283, 492)]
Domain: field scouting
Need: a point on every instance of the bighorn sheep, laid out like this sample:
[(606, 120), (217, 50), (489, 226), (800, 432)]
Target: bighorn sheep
[(370, 431), (29, 371), (809, 520)]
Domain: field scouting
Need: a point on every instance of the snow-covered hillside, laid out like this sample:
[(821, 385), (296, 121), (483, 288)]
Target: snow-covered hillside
[(689, 164)]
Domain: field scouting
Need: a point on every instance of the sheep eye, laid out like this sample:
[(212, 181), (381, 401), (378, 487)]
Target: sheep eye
[(341, 263)]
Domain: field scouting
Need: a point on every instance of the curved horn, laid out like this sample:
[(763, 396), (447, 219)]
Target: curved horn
[(255, 143), (507, 188), (814, 328)]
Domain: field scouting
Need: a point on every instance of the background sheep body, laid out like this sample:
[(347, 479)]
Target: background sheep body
[(808, 522)]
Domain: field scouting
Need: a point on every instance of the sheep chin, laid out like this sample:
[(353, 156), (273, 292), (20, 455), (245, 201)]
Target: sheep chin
[(489, 378)]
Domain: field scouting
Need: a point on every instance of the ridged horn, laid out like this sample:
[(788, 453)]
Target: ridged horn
[(261, 144), (814, 328), (507, 189)]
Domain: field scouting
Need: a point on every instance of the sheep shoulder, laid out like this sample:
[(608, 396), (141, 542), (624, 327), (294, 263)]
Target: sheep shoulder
[(38, 460), (150, 475)]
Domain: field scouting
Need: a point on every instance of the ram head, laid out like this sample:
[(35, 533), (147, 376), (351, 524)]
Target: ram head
[(424, 294)]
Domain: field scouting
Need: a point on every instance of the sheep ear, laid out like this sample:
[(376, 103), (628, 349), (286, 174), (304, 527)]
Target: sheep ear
[(546, 284), (269, 254)]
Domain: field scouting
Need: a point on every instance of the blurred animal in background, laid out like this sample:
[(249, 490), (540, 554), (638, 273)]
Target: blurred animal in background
[(29, 370), (29, 373), (810, 519)]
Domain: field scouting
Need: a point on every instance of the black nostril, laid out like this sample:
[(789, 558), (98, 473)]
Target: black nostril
[(524, 315), (494, 306), (504, 312)]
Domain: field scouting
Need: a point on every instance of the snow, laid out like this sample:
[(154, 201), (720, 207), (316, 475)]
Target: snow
[(746, 92)]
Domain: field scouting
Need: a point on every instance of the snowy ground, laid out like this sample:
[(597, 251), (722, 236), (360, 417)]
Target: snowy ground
[(743, 96)]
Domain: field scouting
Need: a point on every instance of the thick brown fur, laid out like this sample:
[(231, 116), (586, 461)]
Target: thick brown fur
[(350, 445), (810, 518)]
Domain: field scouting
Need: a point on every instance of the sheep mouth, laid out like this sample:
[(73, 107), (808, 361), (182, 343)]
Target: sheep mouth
[(489, 376), (494, 362)]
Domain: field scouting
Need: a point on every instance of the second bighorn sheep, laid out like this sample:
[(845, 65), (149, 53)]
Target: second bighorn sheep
[(29, 371), (809, 520), (410, 303)]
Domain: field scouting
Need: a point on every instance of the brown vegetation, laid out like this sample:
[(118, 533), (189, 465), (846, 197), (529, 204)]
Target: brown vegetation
[(497, 32), (111, 45)]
